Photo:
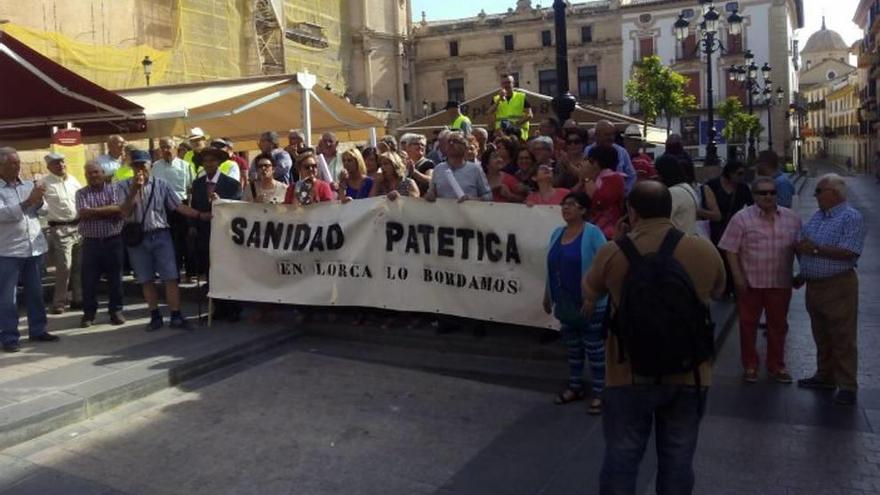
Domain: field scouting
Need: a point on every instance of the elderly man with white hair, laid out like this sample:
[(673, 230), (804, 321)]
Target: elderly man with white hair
[(438, 154), (830, 246), (22, 246), (604, 135), (419, 167), (64, 239)]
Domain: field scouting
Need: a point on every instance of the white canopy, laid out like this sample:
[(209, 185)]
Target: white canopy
[(241, 109)]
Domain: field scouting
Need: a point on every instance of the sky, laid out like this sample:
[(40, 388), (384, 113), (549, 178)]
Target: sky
[(838, 13)]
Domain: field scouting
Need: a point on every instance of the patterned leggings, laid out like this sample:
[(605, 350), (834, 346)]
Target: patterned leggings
[(586, 342)]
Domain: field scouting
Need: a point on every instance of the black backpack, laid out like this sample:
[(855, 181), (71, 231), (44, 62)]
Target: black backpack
[(660, 322)]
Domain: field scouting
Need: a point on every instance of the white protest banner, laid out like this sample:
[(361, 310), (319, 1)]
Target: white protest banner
[(478, 260)]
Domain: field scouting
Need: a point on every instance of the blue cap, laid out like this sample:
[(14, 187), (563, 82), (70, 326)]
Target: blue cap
[(140, 156)]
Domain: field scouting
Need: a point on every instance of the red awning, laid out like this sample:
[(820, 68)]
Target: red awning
[(38, 93)]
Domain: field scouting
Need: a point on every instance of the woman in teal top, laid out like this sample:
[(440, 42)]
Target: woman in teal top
[(572, 248)]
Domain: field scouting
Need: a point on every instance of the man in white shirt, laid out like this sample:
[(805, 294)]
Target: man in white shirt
[(114, 158), (64, 239), (22, 245)]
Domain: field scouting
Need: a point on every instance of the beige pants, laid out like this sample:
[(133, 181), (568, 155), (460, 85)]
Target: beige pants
[(64, 244), (833, 305)]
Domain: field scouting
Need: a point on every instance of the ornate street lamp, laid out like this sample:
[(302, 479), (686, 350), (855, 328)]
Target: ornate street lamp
[(747, 76), (148, 68), (771, 99), (709, 44)]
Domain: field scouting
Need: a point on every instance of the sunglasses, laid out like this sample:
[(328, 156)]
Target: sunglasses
[(766, 193)]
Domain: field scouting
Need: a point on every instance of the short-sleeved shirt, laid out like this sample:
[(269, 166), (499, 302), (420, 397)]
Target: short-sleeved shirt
[(764, 246), (176, 173), (784, 190), (470, 178), (163, 198), (99, 228), (320, 192), (684, 207), (841, 227)]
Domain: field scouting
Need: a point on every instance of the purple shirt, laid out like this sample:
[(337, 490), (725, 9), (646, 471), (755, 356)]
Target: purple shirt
[(98, 228)]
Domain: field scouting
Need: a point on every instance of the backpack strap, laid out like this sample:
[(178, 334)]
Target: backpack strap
[(670, 242), (626, 245)]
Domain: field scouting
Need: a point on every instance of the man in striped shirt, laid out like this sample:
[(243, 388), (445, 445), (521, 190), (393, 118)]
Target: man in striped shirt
[(100, 225), (759, 243)]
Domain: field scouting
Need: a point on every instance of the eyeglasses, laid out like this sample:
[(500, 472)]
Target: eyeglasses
[(820, 189), (765, 193), (310, 166)]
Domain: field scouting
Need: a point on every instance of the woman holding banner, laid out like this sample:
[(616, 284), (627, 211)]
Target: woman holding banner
[(393, 181), (571, 252), (265, 189), (353, 178), (309, 188)]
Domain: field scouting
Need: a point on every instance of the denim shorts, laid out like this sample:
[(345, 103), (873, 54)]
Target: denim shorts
[(155, 255)]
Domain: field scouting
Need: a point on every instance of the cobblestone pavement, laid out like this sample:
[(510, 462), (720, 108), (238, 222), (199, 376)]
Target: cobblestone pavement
[(332, 417)]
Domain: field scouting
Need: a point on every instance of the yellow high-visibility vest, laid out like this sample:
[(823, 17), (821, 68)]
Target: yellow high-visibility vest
[(122, 173), (512, 109), (459, 121)]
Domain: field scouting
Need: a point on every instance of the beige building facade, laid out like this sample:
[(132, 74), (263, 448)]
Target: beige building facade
[(464, 58), (356, 47), (830, 89)]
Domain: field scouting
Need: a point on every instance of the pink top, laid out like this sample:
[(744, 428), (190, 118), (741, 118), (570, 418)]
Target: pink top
[(765, 246), (555, 199)]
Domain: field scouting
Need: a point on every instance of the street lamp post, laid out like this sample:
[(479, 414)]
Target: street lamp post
[(709, 44), (747, 76), (771, 99), (148, 68), (564, 102), (147, 64)]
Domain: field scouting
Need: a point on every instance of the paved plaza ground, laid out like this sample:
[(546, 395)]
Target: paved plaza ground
[(308, 411)]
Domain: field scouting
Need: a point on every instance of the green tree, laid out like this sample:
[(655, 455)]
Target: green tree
[(738, 123), (658, 90)]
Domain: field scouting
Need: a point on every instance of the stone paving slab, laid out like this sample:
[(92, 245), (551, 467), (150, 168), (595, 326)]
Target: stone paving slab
[(93, 370)]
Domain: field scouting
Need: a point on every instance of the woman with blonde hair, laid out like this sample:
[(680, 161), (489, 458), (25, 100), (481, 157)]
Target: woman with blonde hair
[(353, 178), (393, 181)]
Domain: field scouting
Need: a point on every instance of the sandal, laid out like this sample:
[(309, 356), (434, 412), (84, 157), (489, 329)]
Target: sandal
[(595, 408), (568, 396)]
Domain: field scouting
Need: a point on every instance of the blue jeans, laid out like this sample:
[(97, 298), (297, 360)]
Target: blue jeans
[(629, 414), (102, 256), (29, 270)]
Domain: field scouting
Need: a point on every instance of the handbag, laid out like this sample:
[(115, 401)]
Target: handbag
[(133, 232)]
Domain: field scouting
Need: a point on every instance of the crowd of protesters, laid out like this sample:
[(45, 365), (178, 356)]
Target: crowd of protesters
[(731, 239)]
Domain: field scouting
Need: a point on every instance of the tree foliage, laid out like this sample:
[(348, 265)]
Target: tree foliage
[(738, 123), (659, 90)]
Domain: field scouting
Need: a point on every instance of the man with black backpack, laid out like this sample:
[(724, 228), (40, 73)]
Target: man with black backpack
[(660, 341)]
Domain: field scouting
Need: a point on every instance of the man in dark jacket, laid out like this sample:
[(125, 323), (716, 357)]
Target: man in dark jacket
[(207, 188)]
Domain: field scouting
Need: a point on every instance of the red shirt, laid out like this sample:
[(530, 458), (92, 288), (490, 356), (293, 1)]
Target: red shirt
[(644, 167), (321, 192), (512, 184), (242, 164), (607, 201)]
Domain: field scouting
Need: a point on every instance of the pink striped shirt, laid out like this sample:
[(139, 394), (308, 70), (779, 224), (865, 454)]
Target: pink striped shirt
[(764, 245)]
